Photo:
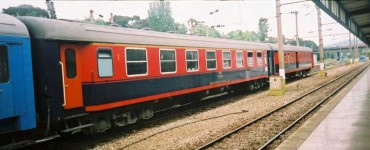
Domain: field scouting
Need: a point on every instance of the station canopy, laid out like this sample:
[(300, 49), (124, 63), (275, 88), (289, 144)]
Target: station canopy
[(352, 14)]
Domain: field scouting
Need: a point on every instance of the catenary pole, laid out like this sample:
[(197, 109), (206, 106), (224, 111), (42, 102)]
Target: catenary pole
[(322, 71)]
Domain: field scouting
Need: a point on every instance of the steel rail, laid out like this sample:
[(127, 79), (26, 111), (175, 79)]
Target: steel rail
[(211, 143), (309, 111)]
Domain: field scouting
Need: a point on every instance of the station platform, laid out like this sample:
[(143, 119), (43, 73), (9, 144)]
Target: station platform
[(342, 123)]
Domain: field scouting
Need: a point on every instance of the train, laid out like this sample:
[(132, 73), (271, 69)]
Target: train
[(62, 76)]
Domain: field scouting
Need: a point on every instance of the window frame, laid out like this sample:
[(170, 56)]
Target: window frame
[(146, 60), (236, 55), (285, 58), (223, 60), (97, 60), (259, 64), (186, 60), (75, 63), (211, 60), (7, 65), (307, 57), (303, 57), (248, 62), (160, 61)]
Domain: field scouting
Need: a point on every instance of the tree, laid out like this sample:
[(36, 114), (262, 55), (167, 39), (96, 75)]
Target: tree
[(138, 23), (101, 22), (201, 29), (141, 24), (180, 28), (98, 21), (131, 22), (272, 40), (26, 10), (160, 16), (263, 28), (305, 43), (122, 20), (309, 43), (245, 36)]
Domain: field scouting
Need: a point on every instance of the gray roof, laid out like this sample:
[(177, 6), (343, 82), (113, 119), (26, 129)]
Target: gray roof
[(291, 48), (10, 25), (85, 32), (343, 44)]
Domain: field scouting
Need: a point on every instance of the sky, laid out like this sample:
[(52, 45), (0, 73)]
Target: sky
[(243, 15)]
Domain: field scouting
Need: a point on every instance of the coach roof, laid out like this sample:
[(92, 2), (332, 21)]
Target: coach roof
[(81, 31), (85, 32), (291, 48), (10, 25)]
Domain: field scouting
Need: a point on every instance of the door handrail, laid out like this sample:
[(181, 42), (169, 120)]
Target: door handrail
[(64, 84)]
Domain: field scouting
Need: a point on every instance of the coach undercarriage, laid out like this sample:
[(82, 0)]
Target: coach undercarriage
[(119, 117)]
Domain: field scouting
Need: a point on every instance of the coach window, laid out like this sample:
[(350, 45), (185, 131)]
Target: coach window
[(302, 58), (70, 56), (308, 57), (226, 56), (136, 61), (105, 62), (4, 66), (239, 59), (192, 61), (250, 59), (211, 60), (259, 58), (168, 60), (285, 58)]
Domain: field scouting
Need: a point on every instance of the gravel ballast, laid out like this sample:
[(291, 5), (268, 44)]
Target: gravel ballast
[(191, 131)]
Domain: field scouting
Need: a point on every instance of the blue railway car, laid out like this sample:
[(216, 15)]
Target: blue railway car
[(17, 105)]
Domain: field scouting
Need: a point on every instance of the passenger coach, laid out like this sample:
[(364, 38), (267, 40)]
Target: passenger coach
[(17, 107), (92, 77), (297, 60)]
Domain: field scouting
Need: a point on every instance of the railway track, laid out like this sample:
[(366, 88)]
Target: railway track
[(238, 138), (213, 101)]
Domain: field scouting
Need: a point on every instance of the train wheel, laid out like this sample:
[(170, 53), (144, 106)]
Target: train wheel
[(262, 84), (251, 87), (258, 86)]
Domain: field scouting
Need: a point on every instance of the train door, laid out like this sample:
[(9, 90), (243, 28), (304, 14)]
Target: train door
[(297, 59), (6, 83), (270, 62), (71, 78)]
